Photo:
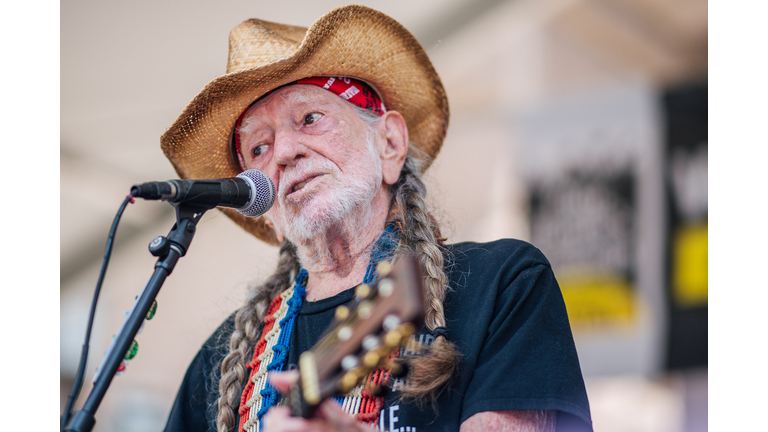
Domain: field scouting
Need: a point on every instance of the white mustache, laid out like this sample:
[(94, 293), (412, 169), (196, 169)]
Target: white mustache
[(302, 170)]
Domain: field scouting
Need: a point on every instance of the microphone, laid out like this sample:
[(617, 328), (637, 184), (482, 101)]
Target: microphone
[(251, 193)]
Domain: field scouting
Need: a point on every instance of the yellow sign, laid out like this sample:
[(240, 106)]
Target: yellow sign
[(690, 268), (598, 299)]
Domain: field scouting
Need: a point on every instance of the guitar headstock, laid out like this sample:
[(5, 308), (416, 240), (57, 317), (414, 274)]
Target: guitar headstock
[(361, 338)]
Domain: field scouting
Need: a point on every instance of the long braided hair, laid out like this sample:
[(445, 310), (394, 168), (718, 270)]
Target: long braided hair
[(420, 234), (249, 322)]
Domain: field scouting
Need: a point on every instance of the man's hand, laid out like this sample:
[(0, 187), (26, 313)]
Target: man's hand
[(329, 417)]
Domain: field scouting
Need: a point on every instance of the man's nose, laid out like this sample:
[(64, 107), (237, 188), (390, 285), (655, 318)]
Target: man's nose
[(288, 148)]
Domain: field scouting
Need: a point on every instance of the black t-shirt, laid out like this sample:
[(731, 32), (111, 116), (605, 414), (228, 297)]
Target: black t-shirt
[(505, 313)]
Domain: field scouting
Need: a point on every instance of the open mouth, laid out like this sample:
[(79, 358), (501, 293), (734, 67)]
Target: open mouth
[(299, 186)]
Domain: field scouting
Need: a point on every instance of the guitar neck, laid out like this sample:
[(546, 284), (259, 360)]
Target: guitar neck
[(361, 339)]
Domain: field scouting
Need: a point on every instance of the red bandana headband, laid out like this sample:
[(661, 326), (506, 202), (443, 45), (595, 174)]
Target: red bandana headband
[(353, 90)]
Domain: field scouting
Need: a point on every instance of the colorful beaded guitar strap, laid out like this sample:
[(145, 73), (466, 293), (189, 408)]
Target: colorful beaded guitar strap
[(271, 350)]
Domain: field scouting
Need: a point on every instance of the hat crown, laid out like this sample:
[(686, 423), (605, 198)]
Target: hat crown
[(353, 41), (255, 43)]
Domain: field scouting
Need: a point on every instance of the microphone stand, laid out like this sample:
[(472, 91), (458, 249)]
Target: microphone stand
[(168, 250)]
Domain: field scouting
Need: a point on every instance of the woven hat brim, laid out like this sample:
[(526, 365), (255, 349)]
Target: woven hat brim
[(353, 41)]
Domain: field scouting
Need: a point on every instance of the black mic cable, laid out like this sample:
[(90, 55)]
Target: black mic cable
[(78, 384)]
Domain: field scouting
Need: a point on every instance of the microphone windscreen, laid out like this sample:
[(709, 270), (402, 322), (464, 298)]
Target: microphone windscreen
[(262, 193)]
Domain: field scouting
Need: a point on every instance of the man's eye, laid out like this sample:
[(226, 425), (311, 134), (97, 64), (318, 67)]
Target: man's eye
[(312, 118), (258, 150)]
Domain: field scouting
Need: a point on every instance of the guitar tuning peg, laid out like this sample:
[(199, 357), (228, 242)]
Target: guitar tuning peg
[(349, 380), (371, 359), (344, 333), (386, 287), (392, 338), (363, 291), (349, 362), (383, 268), (406, 329), (370, 342), (341, 313), (365, 310)]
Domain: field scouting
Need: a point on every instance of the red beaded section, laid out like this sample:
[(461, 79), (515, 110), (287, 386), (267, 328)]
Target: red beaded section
[(254, 364), (370, 405)]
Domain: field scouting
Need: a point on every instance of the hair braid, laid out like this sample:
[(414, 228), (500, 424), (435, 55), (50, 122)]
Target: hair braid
[(421, 235), (249, 322)]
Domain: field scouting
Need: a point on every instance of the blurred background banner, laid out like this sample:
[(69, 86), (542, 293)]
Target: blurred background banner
[(595, 193), (686, 240), (587, 137)]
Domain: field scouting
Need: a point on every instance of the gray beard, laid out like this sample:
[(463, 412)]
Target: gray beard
[(349, 204)]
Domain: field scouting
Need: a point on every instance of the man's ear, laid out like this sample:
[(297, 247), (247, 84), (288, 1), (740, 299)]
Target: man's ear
[(395, 132)]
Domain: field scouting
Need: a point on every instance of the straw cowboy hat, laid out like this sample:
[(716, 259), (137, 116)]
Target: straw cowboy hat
[(353, 41)]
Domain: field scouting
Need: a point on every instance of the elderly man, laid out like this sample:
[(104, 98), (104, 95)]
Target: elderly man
[(344, 117)]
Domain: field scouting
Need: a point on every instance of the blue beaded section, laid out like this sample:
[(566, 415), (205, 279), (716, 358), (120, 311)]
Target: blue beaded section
[(383, 249), (270, 394)]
